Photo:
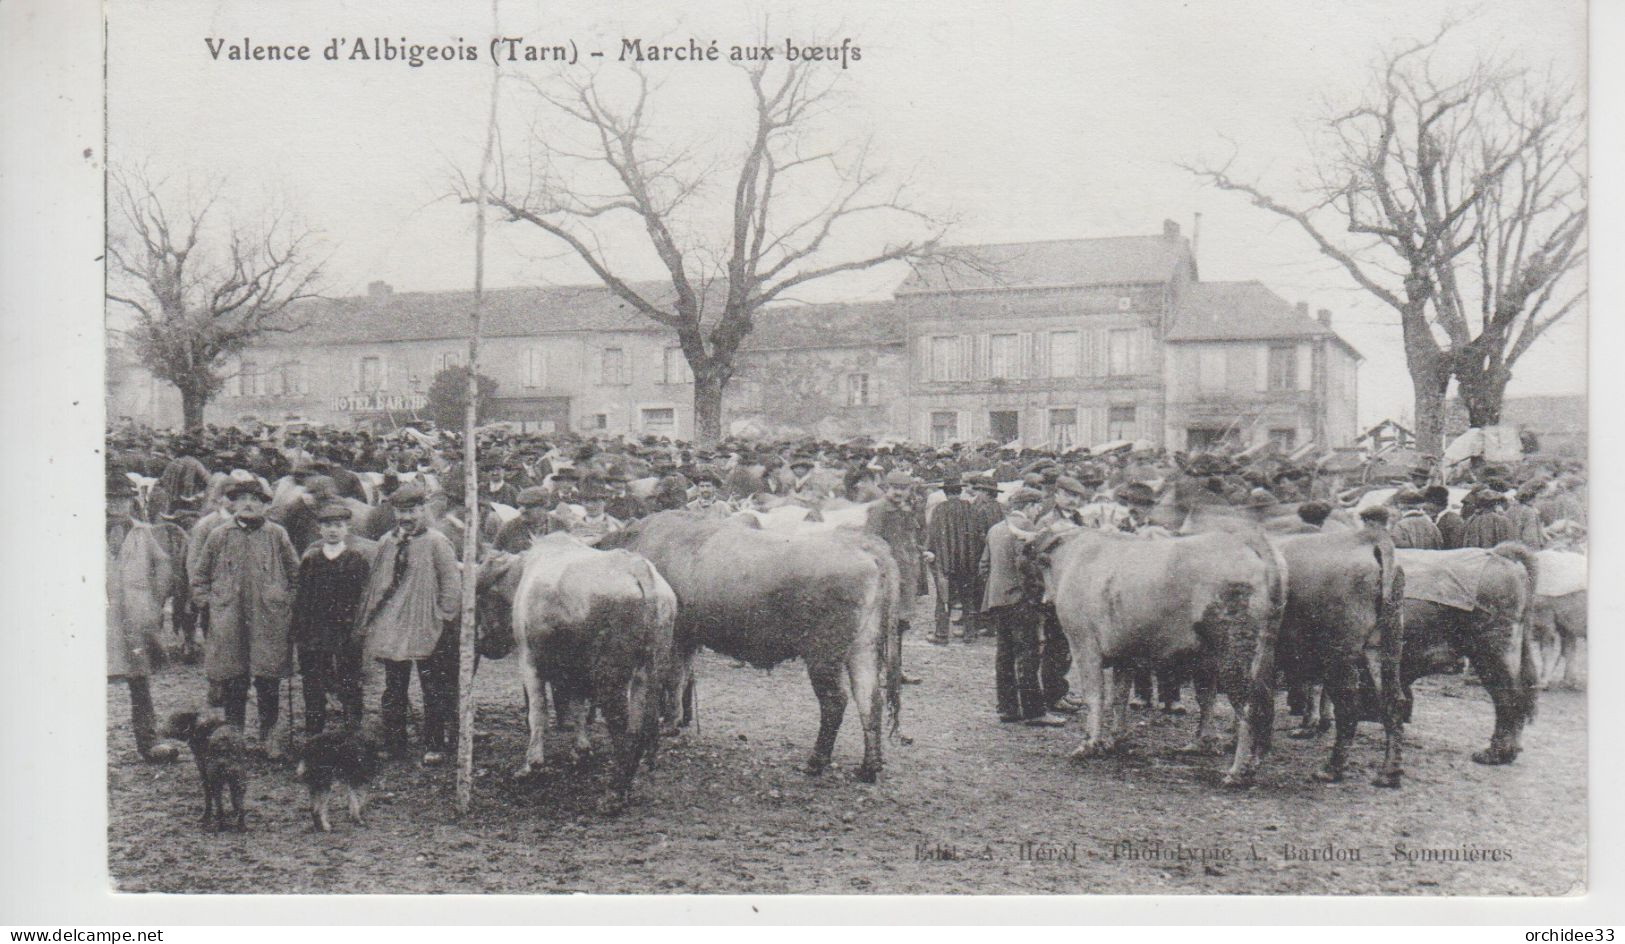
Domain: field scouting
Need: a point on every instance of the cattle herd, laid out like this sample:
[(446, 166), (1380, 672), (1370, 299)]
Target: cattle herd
[(604, 568)]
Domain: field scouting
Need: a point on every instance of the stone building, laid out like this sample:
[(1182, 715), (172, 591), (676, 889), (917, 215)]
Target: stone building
[(1060, 343)]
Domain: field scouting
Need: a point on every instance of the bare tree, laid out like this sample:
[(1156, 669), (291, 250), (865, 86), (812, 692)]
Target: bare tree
[(732, 232), (1434, 172), (200, 292)]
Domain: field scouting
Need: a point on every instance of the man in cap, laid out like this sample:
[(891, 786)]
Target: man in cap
[(246, 578), (1414, 529), (332, 577), (409, 617), (801, 483), (1436, 501), (706, 501), (1524, 517), (135, 574), (516, 535), (596, 523), (1017, 691), (895, 522), (956, 547)]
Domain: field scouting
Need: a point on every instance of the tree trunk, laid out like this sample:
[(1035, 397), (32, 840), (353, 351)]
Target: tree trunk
[(192, 404), (708, 388), (1483, 393), (1430, 386)]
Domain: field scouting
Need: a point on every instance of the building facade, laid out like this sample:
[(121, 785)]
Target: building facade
[(1062, 343)]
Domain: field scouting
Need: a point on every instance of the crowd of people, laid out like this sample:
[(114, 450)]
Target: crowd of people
[(322, 549)]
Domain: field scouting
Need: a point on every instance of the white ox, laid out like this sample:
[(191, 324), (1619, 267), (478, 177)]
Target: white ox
[(596, 626)]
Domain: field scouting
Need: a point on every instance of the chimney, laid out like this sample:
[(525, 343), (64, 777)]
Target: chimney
[(379, 289), (1303, 309), (1325, 316), (1170, 229)]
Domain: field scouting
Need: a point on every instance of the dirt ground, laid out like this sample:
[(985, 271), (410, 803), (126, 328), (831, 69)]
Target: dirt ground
[(971, 805)]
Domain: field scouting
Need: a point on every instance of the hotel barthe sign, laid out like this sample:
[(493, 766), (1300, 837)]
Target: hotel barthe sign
[(380, 402)]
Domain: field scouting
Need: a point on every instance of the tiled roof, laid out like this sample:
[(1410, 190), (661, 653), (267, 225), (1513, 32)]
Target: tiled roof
[(852, 324), (1105, 261), (511, 312), (1241, 311), (524, 312)]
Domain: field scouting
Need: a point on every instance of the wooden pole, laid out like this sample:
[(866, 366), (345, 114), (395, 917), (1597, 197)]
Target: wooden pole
[(471, 473)]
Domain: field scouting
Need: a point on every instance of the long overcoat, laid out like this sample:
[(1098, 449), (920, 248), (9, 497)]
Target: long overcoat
[(138, 571), (246, 578), (405, 623)]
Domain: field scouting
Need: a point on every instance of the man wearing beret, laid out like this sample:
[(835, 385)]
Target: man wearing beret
[(408, 616), (245, 577), (332, 578)]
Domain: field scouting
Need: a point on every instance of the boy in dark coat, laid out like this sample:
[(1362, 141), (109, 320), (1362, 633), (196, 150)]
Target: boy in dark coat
[(332, 577)]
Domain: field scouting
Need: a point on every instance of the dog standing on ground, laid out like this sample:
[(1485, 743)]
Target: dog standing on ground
[(343, 756), (220, 753)]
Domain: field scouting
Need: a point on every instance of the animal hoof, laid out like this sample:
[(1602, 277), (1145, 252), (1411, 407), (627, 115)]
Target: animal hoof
[(868, 774), (525, 771), (1237, 781), (1327, 775), (1494, 758), (1387, 781), (1091, 749), (1304, 734), (814, 767), (1207, 746)]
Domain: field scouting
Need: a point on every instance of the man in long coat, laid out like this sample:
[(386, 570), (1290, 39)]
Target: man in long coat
[(136, 571), (1486, 525), (956, 545), (895, 522), (1415, 527), (408, 616), (245, 577)]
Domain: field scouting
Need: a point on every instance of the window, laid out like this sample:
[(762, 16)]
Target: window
[(249, 375), (1283, 440), (674, 367), (660, 421), (1063, 353), (294, 380), (1004, 425), (1063, 428), (614, 367), (372, 374), (1283, 367), (1002, 360), (599, 421), (1120, 422), (271, 383), (944, 428), (944, 358), (1120, 352), (1210, 368), (535, 367), (857, 389), (446, 360)]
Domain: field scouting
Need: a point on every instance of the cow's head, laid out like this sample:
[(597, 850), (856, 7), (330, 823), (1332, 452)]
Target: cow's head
[(1036, 554), (493, 604)]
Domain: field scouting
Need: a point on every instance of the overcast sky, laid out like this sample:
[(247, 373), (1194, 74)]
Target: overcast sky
[(1023, 121)]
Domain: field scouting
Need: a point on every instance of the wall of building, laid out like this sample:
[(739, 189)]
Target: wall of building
[(1217, 385), (808, 392), (1059, 356)]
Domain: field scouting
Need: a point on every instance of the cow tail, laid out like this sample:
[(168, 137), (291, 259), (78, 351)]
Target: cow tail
[(1528, 673), (1390, 622), (654, 614), (891, 639)]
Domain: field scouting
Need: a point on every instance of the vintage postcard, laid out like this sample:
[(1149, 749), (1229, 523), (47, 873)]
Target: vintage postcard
[(1113, 448)]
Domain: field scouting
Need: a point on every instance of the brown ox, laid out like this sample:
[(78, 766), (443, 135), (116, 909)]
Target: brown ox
[(597, 626), (1342, 626), (766, 597), (1123, 599), (1475, 603)]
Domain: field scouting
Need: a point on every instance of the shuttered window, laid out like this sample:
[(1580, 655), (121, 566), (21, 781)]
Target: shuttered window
[(1283, 367), (1210, 372), (857, 389), (535, 367), (1003, 358), (614, 367), (372, 374), (945, 358), (1063, 353), (674, 367), (1120, 352), (1063, 428), (1120, 422), (944, 427)]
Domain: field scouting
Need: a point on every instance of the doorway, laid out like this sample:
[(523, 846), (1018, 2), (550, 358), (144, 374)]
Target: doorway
[(1004, 425)]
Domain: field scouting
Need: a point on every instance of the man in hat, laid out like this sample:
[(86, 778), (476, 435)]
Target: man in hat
[(706, 501), (987, 512), (1414, 528), (1136, 500), (516, 535), (1056, 659), (409, 617), (1098, 511), (497, 489), (246, 577), (136, 576), (896, 522), (1486, 525), (956, 547), (332, 577), (1017, 692), (801, 482), (1524, 517), (596, 523), (622, 505), (1436, 501)]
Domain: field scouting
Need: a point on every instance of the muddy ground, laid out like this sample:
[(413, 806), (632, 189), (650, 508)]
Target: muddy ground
[(971, 805)]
